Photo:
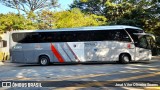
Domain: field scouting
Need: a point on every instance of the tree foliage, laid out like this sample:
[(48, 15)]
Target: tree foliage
[(140, 13), (11, 21), (45, 20), (90, 6), (66, 19), (28, 6), (75, 18), (49, 20)]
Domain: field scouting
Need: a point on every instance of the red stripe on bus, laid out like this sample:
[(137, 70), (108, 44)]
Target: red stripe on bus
[(72, 52), (56, 53)]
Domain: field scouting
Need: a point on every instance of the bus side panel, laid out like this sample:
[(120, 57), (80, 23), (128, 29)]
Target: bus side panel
[(107, 50), (117, 48), (29, 53), (17, 54), (68, 51), (64, 53), (77, 51), (44, 49), (97, 51), (143, 54)]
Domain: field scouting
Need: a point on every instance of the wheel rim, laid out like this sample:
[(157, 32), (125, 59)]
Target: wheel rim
[(126, 59), (43, 61)]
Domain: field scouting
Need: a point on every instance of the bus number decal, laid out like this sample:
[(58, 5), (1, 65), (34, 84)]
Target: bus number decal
[(90, 44)]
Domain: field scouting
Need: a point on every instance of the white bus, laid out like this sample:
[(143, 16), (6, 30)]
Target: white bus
[(86, 44)]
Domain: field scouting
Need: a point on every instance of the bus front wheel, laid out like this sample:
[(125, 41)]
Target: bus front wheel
[(43, 60), (124, 59)]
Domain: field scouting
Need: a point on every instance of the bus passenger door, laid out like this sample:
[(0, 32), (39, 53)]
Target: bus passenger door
[(17, 53), (143, 48)]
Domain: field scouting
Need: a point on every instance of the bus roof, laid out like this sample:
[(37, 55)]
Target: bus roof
[(113, 27)]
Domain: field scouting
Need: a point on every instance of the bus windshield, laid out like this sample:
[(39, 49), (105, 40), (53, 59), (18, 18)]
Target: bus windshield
[(143, 42)]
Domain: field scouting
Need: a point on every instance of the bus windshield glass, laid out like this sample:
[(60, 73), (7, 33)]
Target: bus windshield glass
[(143, 41)]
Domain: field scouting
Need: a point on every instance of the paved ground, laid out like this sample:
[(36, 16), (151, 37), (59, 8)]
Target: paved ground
[(84, 75)]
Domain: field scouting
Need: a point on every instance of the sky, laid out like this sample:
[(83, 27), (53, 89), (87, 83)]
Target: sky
[(64, 4)]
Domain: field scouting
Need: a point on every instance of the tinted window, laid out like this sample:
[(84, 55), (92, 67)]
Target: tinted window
[(142, 42), (26, 37), (71, 36), (17, 37), (132, 31)]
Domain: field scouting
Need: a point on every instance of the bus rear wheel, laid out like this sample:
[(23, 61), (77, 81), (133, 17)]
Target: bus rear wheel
[(124, 59), (44, 60)]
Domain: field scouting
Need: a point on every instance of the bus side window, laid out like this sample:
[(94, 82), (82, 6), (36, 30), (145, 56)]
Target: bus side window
[(120, 35)]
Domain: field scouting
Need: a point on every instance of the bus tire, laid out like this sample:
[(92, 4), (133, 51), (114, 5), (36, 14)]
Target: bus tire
[(44, 60), (124, 58)]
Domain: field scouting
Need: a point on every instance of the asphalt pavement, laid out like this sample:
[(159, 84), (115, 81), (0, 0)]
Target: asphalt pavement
[(100, 76)]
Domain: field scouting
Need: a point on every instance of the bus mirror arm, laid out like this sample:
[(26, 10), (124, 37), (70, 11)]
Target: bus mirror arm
[(136, 44)]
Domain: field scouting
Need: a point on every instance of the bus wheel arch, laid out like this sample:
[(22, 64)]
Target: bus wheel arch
[(124, 58), (44, 60)]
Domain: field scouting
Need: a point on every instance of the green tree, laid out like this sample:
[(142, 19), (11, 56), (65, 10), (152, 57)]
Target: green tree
[(141, 13), (11, 21), (66, 19), (45, 20), (90, 6), (28, 6), (75, 18)]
